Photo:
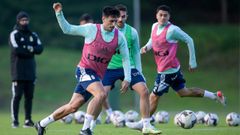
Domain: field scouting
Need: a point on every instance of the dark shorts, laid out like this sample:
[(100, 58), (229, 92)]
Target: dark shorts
[(84, 78), (164, 81), (112, 75)]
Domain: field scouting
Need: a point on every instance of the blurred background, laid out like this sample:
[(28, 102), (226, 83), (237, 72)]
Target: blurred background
[(213, 25)]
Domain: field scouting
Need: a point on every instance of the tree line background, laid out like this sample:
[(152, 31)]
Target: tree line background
[(43, 20)]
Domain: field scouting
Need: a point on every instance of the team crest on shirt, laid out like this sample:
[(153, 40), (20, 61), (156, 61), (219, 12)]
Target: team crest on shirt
[(31, 39), (22, 39)]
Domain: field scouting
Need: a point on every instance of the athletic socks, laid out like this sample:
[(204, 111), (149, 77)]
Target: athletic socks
[(209, 94), (92, 125), (46, 121), (146, 122), (87, 121)]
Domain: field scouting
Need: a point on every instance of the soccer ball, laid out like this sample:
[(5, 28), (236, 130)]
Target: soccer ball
[(162, 117), (67, 119), (211, 119), (186, 119), (176, 119), (131, 116), (79, 117), (233, 119), (118, 119), (200, 117)]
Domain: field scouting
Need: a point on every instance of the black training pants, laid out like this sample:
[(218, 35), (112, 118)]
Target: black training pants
[(20, 88)]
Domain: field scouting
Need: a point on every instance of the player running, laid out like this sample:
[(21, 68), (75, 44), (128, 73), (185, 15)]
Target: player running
[(101, 42), (115, 71), (164, 42)]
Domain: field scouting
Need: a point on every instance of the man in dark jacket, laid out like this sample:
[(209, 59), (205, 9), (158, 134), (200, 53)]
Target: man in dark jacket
[(24, 45)]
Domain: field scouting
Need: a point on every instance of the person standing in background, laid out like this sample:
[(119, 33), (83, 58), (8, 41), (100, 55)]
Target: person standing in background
[(85, 19), (24, 44)]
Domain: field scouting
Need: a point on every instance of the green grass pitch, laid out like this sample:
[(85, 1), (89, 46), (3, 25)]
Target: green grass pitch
[(58, 128)]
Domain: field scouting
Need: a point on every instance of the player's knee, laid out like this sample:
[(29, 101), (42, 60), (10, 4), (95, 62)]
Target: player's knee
[(102, 96), (73, 108), (183, 94), (145, 93)]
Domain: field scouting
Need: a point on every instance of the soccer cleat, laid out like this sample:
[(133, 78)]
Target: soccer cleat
[(40, 130), (151, 131), (107, 120), (15, 124), (135, 125), (86, 132), (28, 123), (220, 98)]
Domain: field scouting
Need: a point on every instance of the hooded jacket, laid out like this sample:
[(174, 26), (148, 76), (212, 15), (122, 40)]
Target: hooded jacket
[(24, 45)]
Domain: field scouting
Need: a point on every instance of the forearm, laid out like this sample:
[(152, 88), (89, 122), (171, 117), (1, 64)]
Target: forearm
[(181, 35), (192, 57), (65, 26), (126, 62), (137, 58), (148, 46), (38, 49)]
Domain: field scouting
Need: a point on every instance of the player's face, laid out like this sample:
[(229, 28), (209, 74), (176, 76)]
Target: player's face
[(162, 17), (122, 19), (109, 22), (24, 21)]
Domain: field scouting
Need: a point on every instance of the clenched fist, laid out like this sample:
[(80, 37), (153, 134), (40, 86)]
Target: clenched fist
[(57, 7)]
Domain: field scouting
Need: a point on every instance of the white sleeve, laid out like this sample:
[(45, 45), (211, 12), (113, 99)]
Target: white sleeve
[(149, 43), (87, 31), (135, 51), (179, 34), (123, 48)]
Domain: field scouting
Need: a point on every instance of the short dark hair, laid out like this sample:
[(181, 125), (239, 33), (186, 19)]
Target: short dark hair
[(121, 7), (86, 17), (164, 8), (110, 11)]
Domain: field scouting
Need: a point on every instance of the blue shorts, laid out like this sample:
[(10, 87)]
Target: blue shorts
[(164, 81), (112, 75), (84, 78)]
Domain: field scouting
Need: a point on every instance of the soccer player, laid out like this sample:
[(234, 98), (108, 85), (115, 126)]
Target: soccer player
[(101, 41), (115, 71), (163, 41), (85, 19)]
